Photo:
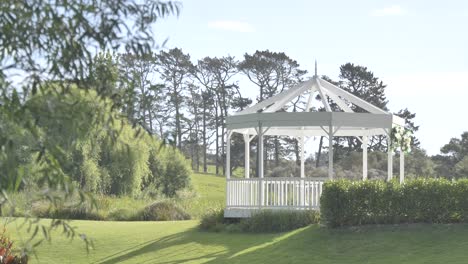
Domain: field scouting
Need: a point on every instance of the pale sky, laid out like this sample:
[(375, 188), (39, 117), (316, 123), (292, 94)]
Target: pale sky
[(418, 48)]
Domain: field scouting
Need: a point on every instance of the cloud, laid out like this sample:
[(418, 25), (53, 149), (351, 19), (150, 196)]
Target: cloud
[(394, 10), (232, 25)]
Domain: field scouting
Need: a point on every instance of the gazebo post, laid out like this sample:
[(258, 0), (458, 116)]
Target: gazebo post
[(260, 150), (330, 152), (247, 156), (228, 155), (301, 144), (260, 164), (301, 187), (402, 165), (364, 157), (390, 157)]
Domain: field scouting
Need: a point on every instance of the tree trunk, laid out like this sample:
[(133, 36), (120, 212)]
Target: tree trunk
[(217, 140), (205, 167), (317, 162), (297, 152), (277, 154), (178, 130), (223, 136), (150, 117)]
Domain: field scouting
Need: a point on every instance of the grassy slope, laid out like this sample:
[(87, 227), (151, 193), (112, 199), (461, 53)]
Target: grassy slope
[(210, 194), (181, 242)]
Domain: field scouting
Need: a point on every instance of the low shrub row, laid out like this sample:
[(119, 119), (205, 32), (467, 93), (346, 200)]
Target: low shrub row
[(265, 221), (101, 208), (346, 203)]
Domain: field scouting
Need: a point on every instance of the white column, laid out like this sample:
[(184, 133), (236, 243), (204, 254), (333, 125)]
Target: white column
[(260, 166), (402, 166), (301, 143), (390, 158), (364, 157), (260, 151), (228, 155), (330, 152), (301, 185), (247, 155)]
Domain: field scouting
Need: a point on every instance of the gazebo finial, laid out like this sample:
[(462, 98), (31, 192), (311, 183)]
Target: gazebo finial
[(315, 67)]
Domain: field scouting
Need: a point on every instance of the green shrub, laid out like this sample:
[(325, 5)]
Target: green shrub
[(213, 220), (123, 214), (163, 211), (170, 171), (264, 221), (345, 203), (278, 221), (76, 211)]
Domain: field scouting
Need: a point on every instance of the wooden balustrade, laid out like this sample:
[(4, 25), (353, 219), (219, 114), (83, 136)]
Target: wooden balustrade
[(274, 193)]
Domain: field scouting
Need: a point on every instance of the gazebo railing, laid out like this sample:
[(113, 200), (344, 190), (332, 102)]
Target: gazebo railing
[(274, 193)]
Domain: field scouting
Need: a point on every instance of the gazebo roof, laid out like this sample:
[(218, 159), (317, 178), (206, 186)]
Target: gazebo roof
[(271, 114)]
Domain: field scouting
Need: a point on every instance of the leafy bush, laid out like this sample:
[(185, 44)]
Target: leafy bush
[(345, 203), (93, 154), (175, 172), (213, 220), (70, 211), (264, 221), (123, 214), (163, 211)]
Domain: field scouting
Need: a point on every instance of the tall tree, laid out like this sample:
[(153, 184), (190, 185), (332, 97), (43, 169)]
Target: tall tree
[(272, 72), (362, 82), (195, 108), (174, 67), (216, 75)]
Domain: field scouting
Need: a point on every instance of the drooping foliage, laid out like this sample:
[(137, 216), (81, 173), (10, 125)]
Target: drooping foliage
[(125, 163)]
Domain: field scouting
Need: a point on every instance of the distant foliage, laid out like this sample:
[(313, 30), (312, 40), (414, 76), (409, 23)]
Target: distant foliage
[(453, 162), (347, 203)]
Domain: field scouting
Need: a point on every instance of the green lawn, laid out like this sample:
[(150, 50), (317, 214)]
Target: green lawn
[(182, 242), (210, 194)]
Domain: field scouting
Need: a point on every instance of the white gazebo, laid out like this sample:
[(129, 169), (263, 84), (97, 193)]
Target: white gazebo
[(245, 195)]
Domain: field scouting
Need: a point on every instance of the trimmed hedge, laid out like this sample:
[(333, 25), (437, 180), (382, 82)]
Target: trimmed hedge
[(347, 203)]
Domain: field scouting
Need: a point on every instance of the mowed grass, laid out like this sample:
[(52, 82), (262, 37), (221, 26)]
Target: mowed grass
[(183, 242), (210, 194)]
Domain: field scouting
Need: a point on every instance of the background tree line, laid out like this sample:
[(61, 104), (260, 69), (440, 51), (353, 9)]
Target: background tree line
[(185, 102)]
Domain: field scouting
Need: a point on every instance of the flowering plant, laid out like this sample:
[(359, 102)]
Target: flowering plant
[(401, 139)]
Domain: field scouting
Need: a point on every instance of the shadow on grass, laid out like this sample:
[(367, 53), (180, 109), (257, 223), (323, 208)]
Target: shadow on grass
[(225, 244), (420, 243), (387, 244)]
